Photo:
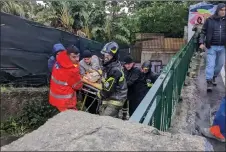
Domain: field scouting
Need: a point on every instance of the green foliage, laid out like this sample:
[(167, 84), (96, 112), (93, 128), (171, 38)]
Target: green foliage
[(13, 127), (143, 16), (168, 18), (37, 113), (12, 7), (33, 115)]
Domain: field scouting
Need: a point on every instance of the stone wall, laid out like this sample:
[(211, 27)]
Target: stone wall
[(14, 99)]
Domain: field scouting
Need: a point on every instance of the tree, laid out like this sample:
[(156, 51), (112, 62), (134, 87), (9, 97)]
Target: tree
[(114, 28), (57, 15), (168, 18), (12, 7), (105, 20)]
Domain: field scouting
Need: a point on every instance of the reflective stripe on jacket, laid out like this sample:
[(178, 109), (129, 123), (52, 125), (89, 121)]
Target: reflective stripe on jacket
[(65, 80)]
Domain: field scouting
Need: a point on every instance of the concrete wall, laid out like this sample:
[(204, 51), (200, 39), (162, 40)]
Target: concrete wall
[(164, 56)]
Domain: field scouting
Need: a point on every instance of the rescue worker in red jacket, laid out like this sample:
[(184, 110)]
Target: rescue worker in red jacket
[(65, 80)]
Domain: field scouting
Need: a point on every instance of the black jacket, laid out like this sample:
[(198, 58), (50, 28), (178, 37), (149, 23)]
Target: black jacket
[(132, 78), (136, 88), (114, 86), (142, 85), (214, 31)]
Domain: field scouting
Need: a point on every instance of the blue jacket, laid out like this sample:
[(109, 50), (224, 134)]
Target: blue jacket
[(51, 62), (56, 48), (220, 117)]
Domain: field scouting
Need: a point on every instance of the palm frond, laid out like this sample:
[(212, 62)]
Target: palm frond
[(121, 38), (12, 8), (95, 30)]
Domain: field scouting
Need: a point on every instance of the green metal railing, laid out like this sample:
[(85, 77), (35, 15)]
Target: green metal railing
[(158, 106)]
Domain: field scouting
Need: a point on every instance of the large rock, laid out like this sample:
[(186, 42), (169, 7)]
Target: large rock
[(80, 131)]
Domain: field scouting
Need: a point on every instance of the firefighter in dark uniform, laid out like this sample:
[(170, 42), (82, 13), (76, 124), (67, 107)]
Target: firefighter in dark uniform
[(132, 75), (114, 92), (148, 77)]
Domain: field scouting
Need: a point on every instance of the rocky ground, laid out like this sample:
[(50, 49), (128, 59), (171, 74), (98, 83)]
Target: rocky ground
[(80, 131)]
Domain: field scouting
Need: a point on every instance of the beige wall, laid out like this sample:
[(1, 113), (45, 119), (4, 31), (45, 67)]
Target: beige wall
[(164, 56)]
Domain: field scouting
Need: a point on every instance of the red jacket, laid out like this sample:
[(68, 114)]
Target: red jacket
[(65, 80)]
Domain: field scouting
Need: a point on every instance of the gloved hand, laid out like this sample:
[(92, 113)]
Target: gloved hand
[(103, 80), (99, 95), (149, 83)]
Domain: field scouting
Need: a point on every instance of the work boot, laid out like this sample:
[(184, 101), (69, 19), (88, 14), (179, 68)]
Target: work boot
[(214, 81), (206, 132), (124, 114), (209, 85)]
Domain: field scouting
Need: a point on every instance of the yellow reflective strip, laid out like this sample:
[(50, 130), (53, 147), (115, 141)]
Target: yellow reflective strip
[(109, 79), (116, 103), (114, 51), (77, 83), (113, 102), (58, 81), (68, 96), (122, 77), (104, 102)]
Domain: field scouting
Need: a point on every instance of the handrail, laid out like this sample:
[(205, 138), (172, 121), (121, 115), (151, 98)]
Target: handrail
[(158, 106)]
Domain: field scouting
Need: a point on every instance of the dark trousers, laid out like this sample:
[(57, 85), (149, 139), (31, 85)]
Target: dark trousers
[(109, 110), (125, 109)]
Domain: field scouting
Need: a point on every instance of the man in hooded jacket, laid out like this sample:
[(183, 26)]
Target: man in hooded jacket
[(141, 85), (56, 49), (65, 80), (213, 37), (148, 77)]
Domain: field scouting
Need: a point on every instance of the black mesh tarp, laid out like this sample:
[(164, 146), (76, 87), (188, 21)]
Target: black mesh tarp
[(26, 47)]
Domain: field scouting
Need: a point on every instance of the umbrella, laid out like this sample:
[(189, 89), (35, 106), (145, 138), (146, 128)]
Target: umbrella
[(205, 7)]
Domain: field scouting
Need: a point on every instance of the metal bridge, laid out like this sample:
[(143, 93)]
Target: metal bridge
[(158, 106)]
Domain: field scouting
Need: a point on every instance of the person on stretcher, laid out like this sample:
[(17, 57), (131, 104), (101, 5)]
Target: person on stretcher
[(90, 67)]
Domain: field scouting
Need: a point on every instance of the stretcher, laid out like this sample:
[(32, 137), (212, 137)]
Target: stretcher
[(90, 90)]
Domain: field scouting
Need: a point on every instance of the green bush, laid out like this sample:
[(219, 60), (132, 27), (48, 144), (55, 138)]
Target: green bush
[(13, 127), (36, 114), (33, 115)]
